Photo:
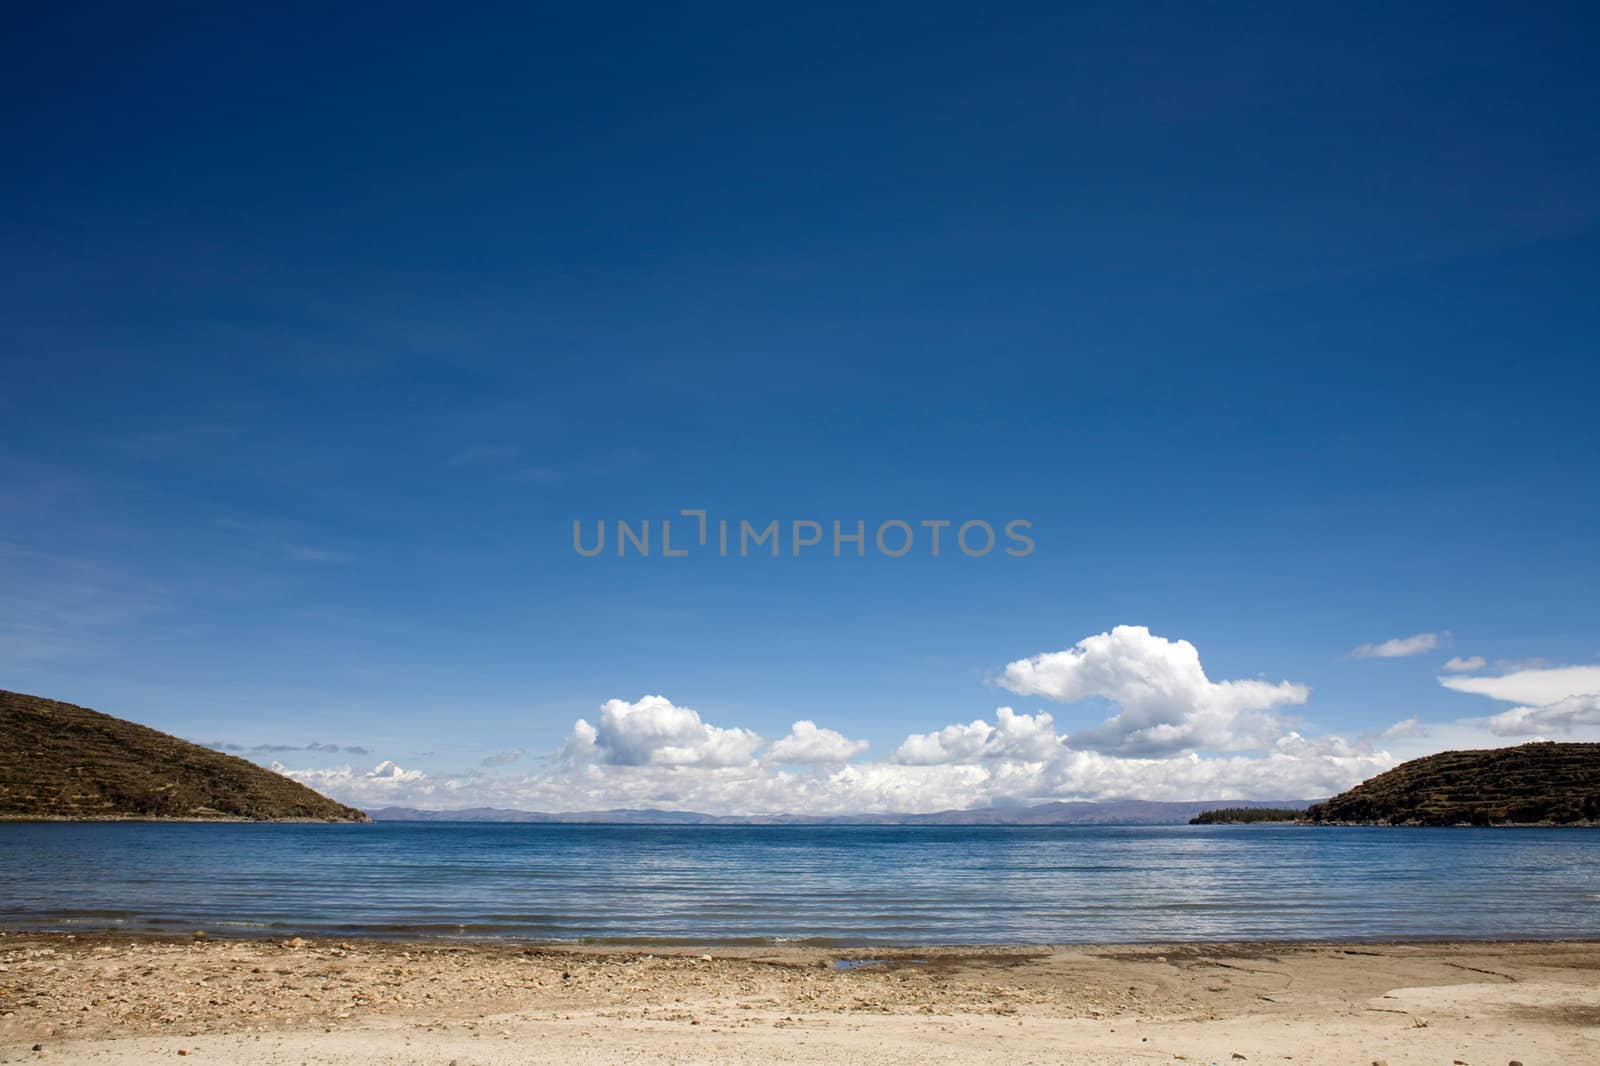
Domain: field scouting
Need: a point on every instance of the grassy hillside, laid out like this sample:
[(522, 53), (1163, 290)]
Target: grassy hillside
[(62, 761), (1545, 782)]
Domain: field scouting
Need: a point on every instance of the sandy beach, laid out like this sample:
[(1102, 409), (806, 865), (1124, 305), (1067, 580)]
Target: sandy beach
[(124, 999)]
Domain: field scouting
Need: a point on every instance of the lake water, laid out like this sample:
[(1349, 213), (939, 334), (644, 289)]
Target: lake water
[(843, 885)]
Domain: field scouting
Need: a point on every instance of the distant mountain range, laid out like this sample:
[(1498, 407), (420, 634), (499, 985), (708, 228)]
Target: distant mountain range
[(1115, 812), (61, 761)]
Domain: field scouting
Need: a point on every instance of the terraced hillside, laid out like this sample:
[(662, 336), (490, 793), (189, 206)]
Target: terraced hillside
[(1531, 783)]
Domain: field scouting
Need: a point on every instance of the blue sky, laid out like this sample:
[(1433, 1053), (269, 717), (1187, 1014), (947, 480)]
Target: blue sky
[(321, 328)]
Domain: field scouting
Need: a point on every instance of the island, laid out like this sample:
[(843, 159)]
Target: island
[(59, 761), (1247, 815)]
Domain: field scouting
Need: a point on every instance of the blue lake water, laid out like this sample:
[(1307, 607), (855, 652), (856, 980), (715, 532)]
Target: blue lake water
[(845, 885)]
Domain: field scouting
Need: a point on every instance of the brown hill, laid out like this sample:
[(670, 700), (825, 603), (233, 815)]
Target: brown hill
[(1532, 783), (62, 761)]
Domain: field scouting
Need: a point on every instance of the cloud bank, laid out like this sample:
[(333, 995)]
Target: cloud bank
[(259, 749), (1560, 717), (1553, 701), (1172, 733)]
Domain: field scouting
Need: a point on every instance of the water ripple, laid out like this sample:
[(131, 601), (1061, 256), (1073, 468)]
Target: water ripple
[(835, 885)]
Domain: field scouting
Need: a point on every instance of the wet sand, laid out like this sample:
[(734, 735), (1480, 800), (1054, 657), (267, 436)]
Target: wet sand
[(124, 999)]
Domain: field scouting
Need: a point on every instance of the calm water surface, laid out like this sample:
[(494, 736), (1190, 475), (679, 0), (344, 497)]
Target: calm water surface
[(848, 885)]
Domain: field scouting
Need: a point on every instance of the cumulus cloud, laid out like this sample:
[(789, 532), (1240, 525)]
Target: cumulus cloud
[(1399, 647), (806, 743), (1165, 702), (1472, 663), (1562, 716), (383, 783), (388, 771), (655, 732), (1027, 738)]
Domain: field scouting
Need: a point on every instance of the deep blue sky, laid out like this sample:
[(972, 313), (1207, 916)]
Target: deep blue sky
[(320, 326)]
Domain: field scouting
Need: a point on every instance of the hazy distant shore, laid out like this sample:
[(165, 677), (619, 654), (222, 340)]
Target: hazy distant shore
[(1071, 812), (127, 999)]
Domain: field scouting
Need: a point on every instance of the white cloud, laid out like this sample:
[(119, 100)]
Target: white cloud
[(1551, 700), (1293, 767), (1562, 716), (388, 771), (1409, 727), (806, 743), (580, 743), (382, 784), (1398, 648), (1165, 702), (1458, 665), (1023, 737), (503, 758), (1537, 687), (654, 732)]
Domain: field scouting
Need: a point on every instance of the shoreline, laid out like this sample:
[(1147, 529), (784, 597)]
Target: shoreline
[(24, 819), (126, 997), (665, 945)]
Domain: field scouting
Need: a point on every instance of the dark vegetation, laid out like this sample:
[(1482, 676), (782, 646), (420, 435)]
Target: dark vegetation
[(62, 761), (1543, 783), (1244, 815)]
